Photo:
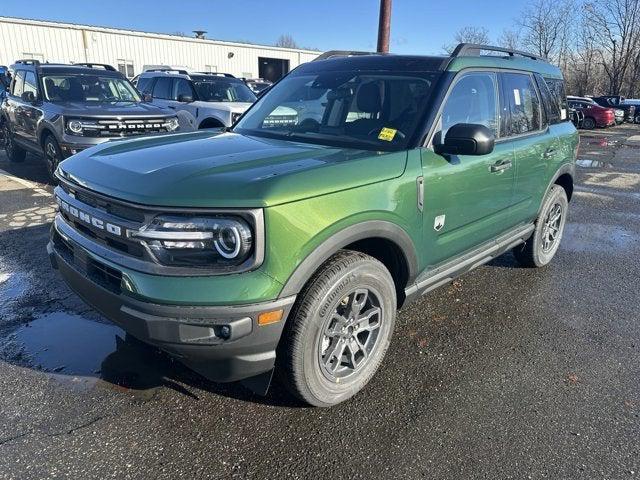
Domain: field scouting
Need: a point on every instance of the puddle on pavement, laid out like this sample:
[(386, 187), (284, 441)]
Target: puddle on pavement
[(603, 142), (82, 352), (591, 163), (598, 238)]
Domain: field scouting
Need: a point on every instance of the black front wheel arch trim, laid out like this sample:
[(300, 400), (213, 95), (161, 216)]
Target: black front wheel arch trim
[(360, 231), (210, 122), (566, 169)]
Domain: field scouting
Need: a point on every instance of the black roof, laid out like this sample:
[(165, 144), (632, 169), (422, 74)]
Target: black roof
[(377, 62), (79, 68)]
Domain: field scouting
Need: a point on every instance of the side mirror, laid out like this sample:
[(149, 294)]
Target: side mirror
[(467, 139), (28, 97), (147, 97), (185, 98)]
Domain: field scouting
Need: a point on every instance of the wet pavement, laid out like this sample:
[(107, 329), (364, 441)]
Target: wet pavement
[(505, 373)]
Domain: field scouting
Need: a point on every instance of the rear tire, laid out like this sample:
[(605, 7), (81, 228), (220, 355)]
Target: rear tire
[(339, 330), (589, 123), (543, 244), (15, 153), (52, 155)]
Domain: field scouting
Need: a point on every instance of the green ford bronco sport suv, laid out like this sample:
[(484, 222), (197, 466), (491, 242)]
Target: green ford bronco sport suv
[(287, 242)]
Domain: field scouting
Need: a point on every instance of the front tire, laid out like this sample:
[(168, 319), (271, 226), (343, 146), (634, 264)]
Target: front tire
[(339, 330), (15, 153), (52, 155), (543, 244)]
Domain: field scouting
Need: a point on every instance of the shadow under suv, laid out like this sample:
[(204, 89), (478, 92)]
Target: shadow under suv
[(58, 110)]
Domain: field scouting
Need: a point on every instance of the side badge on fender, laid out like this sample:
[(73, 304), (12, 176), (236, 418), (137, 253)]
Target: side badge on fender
[(438, 223)]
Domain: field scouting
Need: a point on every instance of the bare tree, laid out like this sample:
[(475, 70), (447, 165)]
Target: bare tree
[(545, 27), (617, 35), (468, 34), (510, 39), (286, 41)]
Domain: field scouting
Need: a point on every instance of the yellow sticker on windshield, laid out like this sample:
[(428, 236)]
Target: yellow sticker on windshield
[(387, 134)]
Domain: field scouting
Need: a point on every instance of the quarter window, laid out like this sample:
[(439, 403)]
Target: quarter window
[(472, 100), (556, 86), (524, 104)]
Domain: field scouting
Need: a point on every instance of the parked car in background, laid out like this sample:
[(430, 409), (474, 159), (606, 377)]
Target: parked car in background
[(257, 85), (594, 114), (204, 100), (59, 110), (290, 245), (617, 102)]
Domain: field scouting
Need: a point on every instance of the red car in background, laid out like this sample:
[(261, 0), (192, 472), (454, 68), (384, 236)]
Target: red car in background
[(594, 114)]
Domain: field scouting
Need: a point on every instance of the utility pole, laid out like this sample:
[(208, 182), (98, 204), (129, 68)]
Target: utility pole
[(384, 26)]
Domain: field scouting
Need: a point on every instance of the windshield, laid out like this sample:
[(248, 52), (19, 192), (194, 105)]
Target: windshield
[(88, 88), (375, 110), (223, 90)]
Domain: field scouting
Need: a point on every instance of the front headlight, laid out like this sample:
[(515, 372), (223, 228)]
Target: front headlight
[(224, 241), (75, 127), (172, 124)]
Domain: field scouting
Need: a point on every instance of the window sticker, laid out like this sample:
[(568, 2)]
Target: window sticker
[(563, 114), (516, 96), (387, 134)]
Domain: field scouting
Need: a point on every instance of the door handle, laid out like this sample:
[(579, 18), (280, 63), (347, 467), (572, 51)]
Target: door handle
[(549, 153), (501, 166)]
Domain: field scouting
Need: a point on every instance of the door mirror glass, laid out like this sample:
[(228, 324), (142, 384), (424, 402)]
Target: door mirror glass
[(467, 139)]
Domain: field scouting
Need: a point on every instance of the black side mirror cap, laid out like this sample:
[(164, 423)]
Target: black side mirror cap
[(28, 97), (147, 97), (185, 98), (466, 139)]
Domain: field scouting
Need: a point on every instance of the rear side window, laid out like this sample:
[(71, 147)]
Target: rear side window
[(551, 108), (472, 100), (18, 83), (162, 88), (556, 86), (524, 105)]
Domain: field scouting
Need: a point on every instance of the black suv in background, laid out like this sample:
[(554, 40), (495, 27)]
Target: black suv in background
[(619, 102), (58, 110)]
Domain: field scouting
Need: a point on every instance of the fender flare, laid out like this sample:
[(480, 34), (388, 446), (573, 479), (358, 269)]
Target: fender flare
[(569, 168), (359, 231), (210, 117)]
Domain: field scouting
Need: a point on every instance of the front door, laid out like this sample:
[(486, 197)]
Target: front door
[(467, 199)]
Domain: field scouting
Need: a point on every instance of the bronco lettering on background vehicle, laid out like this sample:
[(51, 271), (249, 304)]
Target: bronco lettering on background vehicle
[(287, 245)]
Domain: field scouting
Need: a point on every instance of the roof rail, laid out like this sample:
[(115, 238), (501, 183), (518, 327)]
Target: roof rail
[(340, 53), (217, 74), (28, 61), (474, 49), (168, 70), (95, 65)]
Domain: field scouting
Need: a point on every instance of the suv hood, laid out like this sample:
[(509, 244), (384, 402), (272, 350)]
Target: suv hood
[(236, 107), (209, 169), (112, 109)]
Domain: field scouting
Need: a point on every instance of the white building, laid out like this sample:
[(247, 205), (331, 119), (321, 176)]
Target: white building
[(130, 51)]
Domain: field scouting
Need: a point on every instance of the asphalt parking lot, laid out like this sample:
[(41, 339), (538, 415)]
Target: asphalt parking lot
[(505, 373)]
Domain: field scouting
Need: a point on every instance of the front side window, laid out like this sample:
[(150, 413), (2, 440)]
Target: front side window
[(88, 88), (473, 99), (162, 88), (181, 87), (359, 109), (30, 84), (221, 89), (18, 83), (524, 104), (144, 84)]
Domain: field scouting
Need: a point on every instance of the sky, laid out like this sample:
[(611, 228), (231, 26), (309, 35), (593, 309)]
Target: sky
[(417, 26)]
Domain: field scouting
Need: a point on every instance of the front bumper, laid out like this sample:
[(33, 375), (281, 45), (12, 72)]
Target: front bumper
[(193, 334)]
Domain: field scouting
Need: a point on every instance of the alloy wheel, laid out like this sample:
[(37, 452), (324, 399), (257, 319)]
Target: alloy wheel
[(551, 228), (351, 334)]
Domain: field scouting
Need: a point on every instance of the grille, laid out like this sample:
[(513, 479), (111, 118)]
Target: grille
[(122, 128)]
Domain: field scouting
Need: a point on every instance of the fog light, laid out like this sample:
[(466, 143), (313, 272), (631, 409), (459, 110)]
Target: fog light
[(225, 331), (267, 318)]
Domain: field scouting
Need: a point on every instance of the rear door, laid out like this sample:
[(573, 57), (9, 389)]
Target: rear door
[(532, 141), (467, 198), (31, 112), (14, 105)]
